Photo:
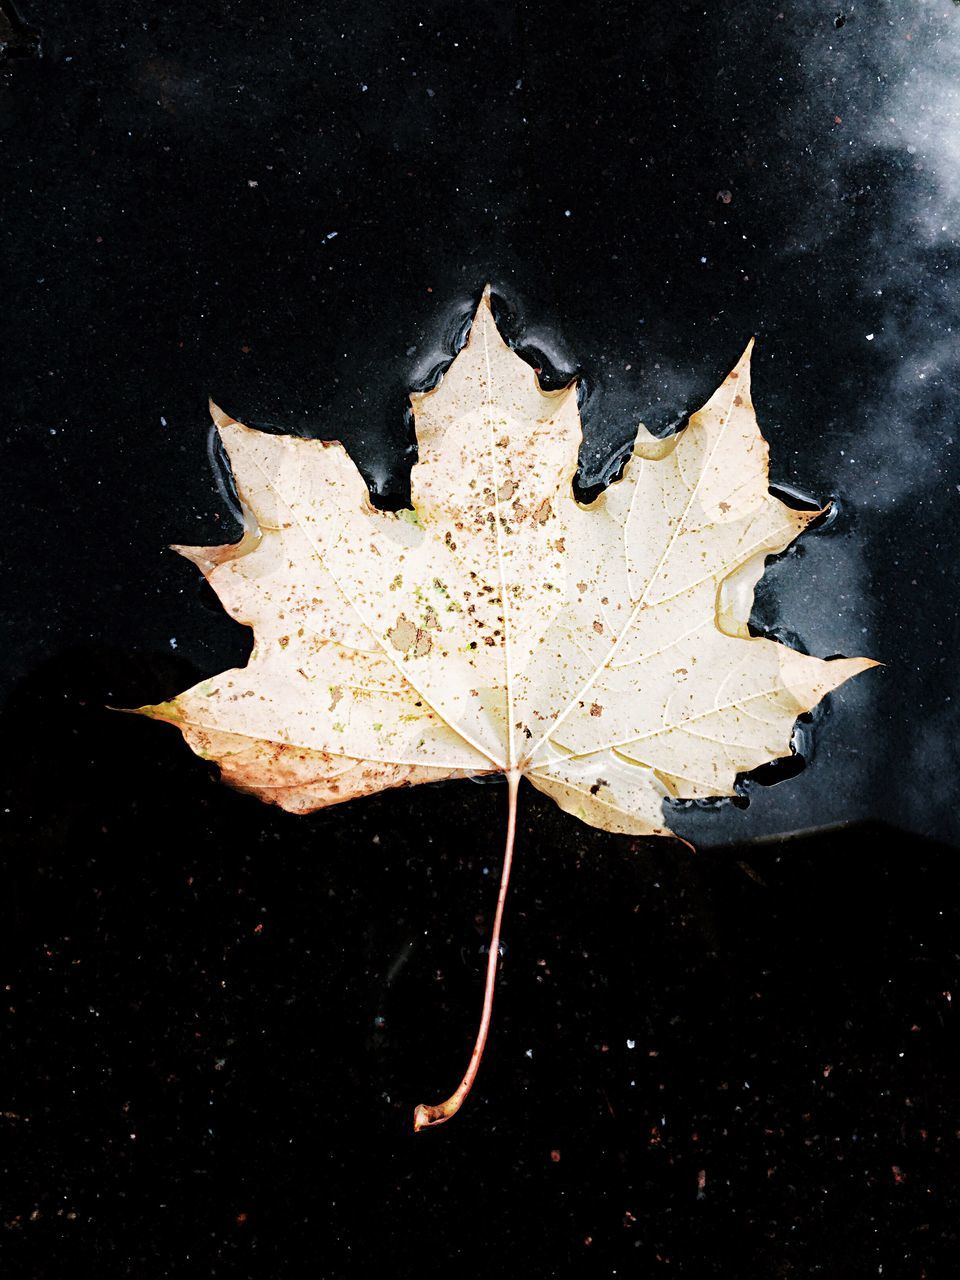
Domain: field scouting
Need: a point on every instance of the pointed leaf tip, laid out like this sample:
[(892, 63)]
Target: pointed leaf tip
[(168, 711), (194, 554), (484, 308), (206, 559), (220, 418), (483, 322)]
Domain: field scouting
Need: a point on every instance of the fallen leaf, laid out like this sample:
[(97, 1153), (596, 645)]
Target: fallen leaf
[(600, 651)]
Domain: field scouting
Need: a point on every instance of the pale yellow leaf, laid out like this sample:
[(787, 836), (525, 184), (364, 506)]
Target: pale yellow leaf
[(602, 651), (499, 626)]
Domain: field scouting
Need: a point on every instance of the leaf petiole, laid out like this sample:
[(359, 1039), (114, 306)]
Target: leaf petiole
[(424, 1116)]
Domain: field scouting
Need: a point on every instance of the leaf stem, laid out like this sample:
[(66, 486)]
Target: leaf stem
[(424, 1116)]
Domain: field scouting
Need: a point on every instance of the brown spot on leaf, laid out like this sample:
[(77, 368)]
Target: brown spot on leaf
[(403, 636), (596, 709), (507, 490), (543, 512), (598, 628), (336, 693), (411, 639)]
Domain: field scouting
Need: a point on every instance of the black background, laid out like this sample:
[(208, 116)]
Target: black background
[(218, 1017)]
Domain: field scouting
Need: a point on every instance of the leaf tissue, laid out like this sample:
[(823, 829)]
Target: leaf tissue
[(600, 651)]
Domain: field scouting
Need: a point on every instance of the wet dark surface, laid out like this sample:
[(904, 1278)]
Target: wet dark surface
[(219, 1017)]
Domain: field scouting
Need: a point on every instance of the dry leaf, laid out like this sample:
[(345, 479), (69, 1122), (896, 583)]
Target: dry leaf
[(499, 626)]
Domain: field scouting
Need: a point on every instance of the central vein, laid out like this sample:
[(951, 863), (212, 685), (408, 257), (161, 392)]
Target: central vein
[(501, 567)]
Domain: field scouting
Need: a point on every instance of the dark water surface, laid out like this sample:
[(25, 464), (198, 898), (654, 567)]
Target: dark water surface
[(218, 1018)]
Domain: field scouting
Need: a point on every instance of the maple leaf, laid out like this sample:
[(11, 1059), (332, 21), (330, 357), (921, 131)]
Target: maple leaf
[(602, 651)]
